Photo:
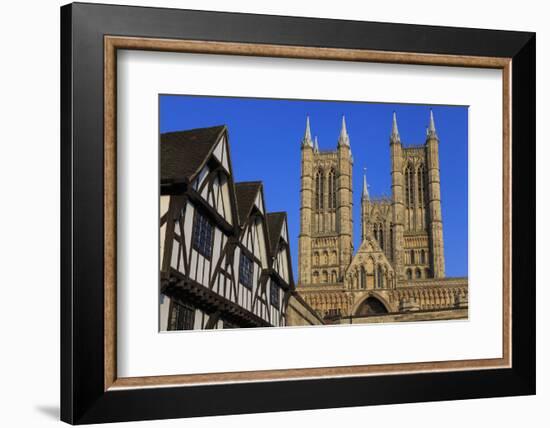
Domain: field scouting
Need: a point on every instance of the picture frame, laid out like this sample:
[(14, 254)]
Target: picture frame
[(91, 391)]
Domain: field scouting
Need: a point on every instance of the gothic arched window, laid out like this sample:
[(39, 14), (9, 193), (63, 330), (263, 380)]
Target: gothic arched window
[(333, 276), (316, 259), (418, 274), (409, 274), (380, 277), (391, 240), (412, 257), (420, 182), (363, 278), (422, 256), (409, 187), (381, 236), (331, 189), (325, 276), (319, 187)]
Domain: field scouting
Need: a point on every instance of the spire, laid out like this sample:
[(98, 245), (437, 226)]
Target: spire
[(306, 141), (365, 185), (431, 133), (316, 145), (394, 130), (343, 140)]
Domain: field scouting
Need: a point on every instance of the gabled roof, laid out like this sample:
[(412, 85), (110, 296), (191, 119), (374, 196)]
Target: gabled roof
[(369, 248), (275, 222), (245, 193), (183, 153)]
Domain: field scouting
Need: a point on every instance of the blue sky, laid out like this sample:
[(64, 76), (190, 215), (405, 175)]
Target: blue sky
[(265, 137)]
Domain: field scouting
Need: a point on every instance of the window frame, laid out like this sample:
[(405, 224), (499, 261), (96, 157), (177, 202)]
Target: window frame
[(274, 286), (249, 272), (202, 223), (177, 313)]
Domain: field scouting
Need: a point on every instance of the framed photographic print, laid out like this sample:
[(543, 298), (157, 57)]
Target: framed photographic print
[(266, 213)]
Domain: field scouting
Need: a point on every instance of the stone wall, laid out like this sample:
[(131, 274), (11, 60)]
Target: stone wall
[(299, 313), (440, 315)]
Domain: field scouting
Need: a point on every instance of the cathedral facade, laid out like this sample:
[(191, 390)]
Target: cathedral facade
[(398, 271)]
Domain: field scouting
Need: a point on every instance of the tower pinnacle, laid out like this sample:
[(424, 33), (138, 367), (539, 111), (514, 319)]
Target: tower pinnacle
[(316, 145), (365, 185), (394, 130), (343, 140), (431, 128), (306, 141)]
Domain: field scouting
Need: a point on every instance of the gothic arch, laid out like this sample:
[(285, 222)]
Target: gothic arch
[(409, 185), (374, 296), (331, 189), (319, 189), (421, 185), (380, 277), (363, 278)]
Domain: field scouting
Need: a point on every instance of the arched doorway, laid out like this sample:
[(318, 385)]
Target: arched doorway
[(371, 306)]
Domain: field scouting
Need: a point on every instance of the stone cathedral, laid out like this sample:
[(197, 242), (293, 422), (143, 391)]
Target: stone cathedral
[(398, 271)]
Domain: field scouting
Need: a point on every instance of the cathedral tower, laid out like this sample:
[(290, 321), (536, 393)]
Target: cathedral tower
[(401, 235), (326, 227), (396, 153), (345, 199), (306, 208), (416, 201), (434, 197)]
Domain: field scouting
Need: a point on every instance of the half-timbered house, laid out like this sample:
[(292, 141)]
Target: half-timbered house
[(224, 261), (280, 281)]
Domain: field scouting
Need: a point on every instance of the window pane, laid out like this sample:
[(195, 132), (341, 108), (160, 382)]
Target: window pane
[(245, 271), (274, 291), (182, 317), (202, 235)]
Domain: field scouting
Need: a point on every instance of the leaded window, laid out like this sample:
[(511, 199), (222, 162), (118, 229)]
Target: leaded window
[(182, 316), (274, 294), (203, 232), (246, 269)]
